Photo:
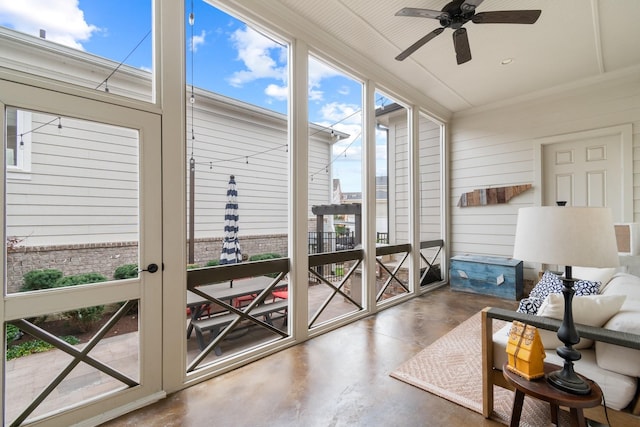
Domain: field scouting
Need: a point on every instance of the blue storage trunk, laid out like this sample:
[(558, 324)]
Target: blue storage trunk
[(500, 277)]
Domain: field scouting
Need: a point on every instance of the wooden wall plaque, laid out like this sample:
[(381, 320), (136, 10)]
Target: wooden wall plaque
[(491, 196)]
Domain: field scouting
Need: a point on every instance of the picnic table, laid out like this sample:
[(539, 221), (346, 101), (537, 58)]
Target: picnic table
[(223, 294)]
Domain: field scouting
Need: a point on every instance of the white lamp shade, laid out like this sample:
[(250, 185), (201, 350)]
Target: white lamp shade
[(569, 236)]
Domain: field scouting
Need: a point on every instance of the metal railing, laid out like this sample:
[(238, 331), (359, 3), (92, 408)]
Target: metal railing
[(327, 242)]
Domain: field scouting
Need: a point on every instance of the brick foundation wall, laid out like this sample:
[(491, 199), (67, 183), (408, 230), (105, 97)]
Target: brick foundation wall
[(104, 258), (208, 249), (101, 258)]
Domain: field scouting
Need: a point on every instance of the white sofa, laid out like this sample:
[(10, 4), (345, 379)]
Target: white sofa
[(609, 324)]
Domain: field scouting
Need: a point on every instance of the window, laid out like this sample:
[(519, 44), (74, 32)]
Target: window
[(18, 149)]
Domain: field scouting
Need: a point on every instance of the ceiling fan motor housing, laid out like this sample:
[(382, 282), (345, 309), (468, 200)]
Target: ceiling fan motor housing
[(453, 16)]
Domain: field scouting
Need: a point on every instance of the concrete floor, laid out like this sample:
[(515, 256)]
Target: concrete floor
[(338, 379)]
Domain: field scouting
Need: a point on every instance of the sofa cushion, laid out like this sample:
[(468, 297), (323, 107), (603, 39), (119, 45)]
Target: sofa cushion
[(617, 358), (602, 275), (592, 310), (623, 284)]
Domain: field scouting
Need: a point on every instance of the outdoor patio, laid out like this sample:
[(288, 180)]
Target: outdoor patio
[(28, 376)]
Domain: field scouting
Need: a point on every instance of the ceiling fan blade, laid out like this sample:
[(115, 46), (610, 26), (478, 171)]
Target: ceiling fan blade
[(421, 13), (507, 17), (417, 45), (470, 5), (461, 44)]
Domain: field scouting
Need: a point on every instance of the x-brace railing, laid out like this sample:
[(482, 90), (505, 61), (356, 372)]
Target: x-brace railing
[(387, 250), (336, 290), (316, 260), (430, 244), (78, 356), (242, 314)]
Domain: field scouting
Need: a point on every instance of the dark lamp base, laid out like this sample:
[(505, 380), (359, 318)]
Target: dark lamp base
[(568, 383)]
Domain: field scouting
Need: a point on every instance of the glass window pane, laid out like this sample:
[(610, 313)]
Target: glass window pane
[(72, 207), (32, 363), (335, 190), (392, 196), (430, 158), (237, 146)]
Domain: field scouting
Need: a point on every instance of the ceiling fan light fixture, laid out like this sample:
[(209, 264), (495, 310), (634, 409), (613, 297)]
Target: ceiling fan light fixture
[(506, 61)]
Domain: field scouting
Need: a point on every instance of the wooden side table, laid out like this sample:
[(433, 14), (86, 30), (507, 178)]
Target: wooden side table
[(541, 389)]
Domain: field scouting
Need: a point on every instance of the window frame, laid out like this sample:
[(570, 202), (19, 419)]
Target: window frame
[(22, 155)]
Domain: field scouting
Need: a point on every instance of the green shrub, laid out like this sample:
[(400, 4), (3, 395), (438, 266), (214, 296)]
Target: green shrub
[(213, 263), (127, 271), (83, 318), (80, 279), (35, 346), (35, 280), (192, 266), (13, 333), (262, 257)]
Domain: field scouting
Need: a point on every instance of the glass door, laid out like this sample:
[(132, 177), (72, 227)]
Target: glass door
[(82, 264)]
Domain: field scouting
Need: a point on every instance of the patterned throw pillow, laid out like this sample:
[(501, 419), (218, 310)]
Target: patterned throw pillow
[(550, 283), (585, 287), (529, 305)]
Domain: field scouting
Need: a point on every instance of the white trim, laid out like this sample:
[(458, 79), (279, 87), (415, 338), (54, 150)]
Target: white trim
[(413, 144), (122, 410), (171, 95), (298, 199), (369, 196), (548, 94), (624, 131), (22, 155)]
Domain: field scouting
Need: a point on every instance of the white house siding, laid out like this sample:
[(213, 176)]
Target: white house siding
[(398, 171), (231, 137), (320, 171), (88, 188), (429, 179), (429, 158), (41, 57), (82, 188), (494, 148), (249, 144)]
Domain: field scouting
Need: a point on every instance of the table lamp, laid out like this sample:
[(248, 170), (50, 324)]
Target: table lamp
[(568, 236)]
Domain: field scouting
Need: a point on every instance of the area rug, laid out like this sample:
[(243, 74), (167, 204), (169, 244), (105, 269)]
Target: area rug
[(451, 368)]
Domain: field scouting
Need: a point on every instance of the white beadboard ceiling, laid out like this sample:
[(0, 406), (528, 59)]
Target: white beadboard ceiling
[(573, 41)]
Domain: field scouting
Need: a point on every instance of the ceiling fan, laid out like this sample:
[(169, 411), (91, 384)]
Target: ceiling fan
[(457, 13)]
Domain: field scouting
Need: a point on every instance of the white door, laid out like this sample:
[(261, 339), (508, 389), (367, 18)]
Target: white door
[(81, 199), (585, 171)]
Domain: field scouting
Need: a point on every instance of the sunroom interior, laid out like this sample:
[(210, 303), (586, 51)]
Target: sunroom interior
[(274, 159)]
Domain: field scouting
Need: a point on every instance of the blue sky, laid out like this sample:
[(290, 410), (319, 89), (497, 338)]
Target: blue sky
[(228, 58)]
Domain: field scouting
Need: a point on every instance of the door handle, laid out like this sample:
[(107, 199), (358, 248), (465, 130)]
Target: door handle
[(151, 268)]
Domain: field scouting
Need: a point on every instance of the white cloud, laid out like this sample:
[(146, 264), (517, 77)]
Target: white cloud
[(344, 90), (256, 51), (315, 95), (335, 112), (198, 40), (62, 20), (317, 72), (281, 93)]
